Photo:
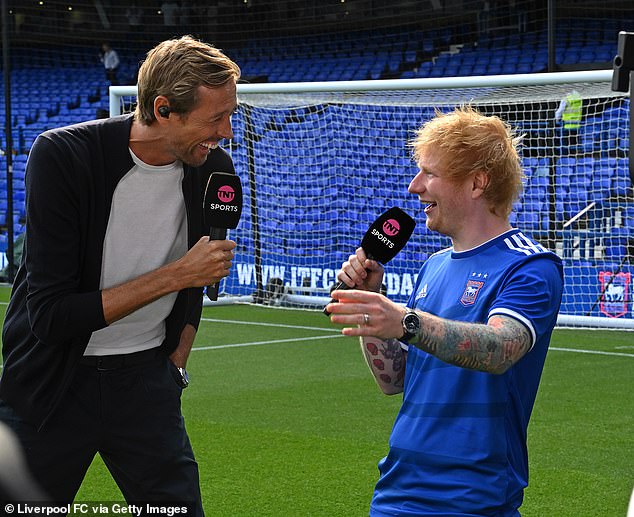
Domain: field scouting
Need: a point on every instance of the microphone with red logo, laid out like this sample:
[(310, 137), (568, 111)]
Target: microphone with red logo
[(385, 238), (222, 208)]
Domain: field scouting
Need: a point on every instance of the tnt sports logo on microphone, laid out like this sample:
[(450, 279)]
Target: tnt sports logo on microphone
[(382, 238), (391, 227), (226, 194)]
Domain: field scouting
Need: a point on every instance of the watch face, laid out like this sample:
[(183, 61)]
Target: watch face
[(411, 323)]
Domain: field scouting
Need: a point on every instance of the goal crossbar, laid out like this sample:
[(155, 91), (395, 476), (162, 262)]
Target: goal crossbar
[(588, 76)]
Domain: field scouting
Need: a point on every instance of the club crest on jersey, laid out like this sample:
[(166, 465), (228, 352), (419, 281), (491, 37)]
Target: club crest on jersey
[(470, 293)]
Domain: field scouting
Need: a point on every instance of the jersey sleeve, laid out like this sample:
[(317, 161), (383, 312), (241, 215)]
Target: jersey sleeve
[(532, 294)]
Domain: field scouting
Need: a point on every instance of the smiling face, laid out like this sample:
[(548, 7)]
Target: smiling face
[(447, 200), (191, 136), (469, 175)]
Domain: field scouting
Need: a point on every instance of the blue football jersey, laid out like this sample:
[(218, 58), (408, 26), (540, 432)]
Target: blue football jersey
[(458, 446)]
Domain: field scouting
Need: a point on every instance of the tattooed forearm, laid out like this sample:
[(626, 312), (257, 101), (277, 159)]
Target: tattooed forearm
[(493, 347), (386, 360)]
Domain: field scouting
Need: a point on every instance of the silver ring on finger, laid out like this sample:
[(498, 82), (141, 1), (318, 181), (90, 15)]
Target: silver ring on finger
[(366, 319)]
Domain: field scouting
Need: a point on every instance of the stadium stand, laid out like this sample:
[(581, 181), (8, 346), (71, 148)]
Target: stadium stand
[(62, 82)]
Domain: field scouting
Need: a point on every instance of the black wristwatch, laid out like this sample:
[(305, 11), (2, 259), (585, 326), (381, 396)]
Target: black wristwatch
[(411, 325), (184, 380)]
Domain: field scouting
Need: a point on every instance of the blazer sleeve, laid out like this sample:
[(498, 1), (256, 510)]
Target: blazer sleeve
[(59, 306)]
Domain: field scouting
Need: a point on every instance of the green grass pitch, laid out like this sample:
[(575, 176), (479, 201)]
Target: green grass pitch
[(286, 421)]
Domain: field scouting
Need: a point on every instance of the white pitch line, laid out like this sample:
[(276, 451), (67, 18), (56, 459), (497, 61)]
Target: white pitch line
[(258, 343), (254, 343), (597, 352), (321, 329), (279, 325), (272, 342)]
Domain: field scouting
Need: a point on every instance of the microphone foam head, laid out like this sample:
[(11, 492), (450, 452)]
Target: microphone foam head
[(388, 235), (222, 205)]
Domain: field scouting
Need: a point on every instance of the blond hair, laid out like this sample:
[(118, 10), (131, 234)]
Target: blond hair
[(467, 142), (175, 69)]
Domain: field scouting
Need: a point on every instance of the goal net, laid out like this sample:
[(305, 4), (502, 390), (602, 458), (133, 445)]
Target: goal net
[(320, 161)]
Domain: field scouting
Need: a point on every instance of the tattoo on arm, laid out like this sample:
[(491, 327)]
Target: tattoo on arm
[(386, 360), (493, 347)]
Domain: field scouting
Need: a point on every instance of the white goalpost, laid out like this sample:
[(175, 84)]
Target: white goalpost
[(320, 161)]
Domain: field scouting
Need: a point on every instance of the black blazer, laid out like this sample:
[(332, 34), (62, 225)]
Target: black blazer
[(55, 304)]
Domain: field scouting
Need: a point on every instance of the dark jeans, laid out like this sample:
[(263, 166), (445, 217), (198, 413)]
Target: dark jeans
[(131, 416), (111, 76)]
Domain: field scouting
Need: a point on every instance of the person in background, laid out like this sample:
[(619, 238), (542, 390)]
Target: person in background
[(569, 115), (136, 27), (110, 60), (170, 10), (468, 350), (107, 300), (134, 15)]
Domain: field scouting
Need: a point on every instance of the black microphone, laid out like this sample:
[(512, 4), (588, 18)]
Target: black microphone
[(385, 238), (222, 207)]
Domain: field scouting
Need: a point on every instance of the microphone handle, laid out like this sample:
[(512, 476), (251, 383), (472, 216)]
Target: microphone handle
[(215, 234), (342, 286)]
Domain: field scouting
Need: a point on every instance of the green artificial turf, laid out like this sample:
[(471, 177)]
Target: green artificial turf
[(286, 421)]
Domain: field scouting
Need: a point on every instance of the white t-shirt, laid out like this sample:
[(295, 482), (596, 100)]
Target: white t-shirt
[(147, 229)]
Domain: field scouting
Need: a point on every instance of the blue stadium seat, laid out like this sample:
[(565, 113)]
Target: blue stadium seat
[(528, 221), (533, 204), (605, 167), (505, 68), (616, 244), (424, 69), (567, 161), (540, 182), (563, 175), (578, 192), (600, 188), (530, 161), (621, 186)]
